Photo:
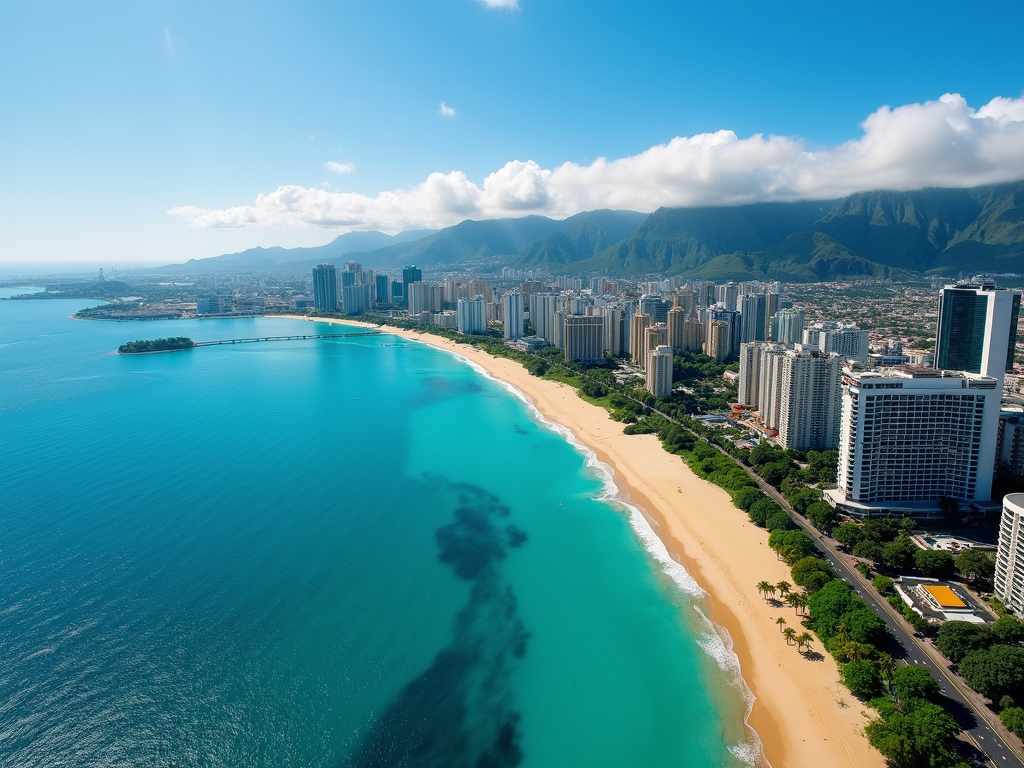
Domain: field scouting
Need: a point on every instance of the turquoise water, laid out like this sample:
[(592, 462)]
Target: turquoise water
[(353, 552)]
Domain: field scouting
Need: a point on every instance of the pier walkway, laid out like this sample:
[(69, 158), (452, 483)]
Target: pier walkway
[(288, 338)]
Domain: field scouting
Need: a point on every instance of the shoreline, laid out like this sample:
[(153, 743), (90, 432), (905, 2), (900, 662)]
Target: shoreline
[(802, 715)]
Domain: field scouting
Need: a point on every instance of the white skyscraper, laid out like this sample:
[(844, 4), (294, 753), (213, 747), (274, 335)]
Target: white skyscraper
[(911, 437), (659, 371), (471, 315), (1009, 579), (512, 309)]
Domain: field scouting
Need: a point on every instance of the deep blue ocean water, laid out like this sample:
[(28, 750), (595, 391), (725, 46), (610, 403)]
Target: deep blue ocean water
[(356, 552)]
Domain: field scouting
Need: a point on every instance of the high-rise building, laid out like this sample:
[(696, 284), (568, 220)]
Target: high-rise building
[(772, 304), (718, 343), (787, 327), (753, 317), (676, 329), (425, 297), (977, 328), (911, 437), (705, 293), (355, 299), (383, 289), (558, 328), (471, 315), (1010, 444), (451, 289), (1009, 577), (654, 336), (693, 334), (542, 314), (325, 287), (638, 328), (613, 319), (480, 288), (410, 275), (655, 307), (659, 371), (727, 295), (732, 317), (810, 402), (584, 338), (512, 311), (686, 301), (843, 339), (750, 372)]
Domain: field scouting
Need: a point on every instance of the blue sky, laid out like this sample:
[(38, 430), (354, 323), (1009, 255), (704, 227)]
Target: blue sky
[(116, 113)]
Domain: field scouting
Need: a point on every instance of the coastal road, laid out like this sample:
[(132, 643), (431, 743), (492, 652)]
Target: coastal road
[(988, 739)]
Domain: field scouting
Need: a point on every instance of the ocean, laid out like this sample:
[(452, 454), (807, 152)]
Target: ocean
[(337, 552)]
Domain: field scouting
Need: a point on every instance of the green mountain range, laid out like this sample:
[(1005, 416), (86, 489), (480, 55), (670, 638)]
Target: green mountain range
[(869, 234)]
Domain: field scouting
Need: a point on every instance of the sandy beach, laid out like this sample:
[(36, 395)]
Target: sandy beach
[(804, 717)]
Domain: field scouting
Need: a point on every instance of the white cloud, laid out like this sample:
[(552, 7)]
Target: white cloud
[(943, 143), (445, 110), (339, 168), (509, 5)]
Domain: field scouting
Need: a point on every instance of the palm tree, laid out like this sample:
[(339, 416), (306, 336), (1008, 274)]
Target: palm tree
[(784, 588), (764, 587), (794, 600), (790, 635), (886, 666), (855, 651), (772, 590), (804, 639), (780, 621)]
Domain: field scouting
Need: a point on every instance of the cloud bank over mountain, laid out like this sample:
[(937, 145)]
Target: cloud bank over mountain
[(942, 143)]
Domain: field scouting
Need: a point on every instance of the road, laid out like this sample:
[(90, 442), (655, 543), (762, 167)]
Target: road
[(999, 751)]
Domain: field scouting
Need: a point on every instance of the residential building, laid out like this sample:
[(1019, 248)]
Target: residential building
[(638, 328), (1009, 578), (719, 340), (584, 338), (471, 315), (911, 437), (655, 307), (446, 319), (425, 297), (480, 288), (659, 371), (325, 287), (753, 317), (613, 319), (382, 289), (977, 328), (512, 314), (810, 400), (732, 317), (693, 334), (727, 295), (1010, 444), (676, 329), (843, 339), (686, 301), (410, 275), (654, 336), (356, 299), (787, 327), (542, 314)]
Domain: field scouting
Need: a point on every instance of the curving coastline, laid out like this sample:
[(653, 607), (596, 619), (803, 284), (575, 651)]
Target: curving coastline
[(799, 713)]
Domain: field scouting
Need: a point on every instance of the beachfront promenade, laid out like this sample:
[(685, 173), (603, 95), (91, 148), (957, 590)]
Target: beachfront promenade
[(970, 710)]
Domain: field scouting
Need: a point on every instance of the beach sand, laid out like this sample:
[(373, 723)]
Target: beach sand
[(803, 715)]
